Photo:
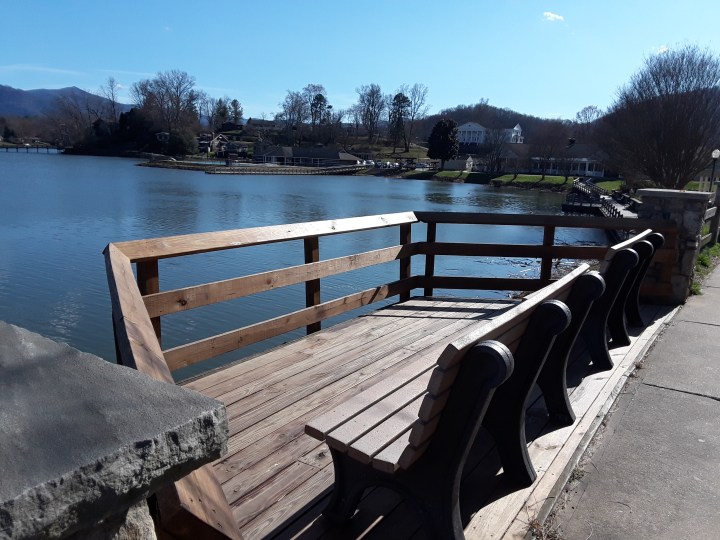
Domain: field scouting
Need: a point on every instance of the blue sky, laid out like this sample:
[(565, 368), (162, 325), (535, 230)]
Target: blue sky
[(541, 57)]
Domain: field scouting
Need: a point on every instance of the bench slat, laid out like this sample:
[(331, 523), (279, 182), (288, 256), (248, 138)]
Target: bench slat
[(399, 455), (325, 423), (394, 427), (368, 420)]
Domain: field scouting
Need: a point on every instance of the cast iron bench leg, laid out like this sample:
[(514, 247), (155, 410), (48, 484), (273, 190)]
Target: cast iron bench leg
[(632, 309), (351, 480), (594, 330), (505, 418), (616, 321), (553, 376), (436, 496), (432, 483)]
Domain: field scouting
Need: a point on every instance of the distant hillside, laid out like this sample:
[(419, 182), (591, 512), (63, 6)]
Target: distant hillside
[(15, 102)]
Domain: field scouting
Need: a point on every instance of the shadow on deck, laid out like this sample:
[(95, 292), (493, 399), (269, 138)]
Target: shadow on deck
[(277, 480)]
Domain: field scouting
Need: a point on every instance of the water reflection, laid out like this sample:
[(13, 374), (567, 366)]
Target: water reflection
[(166, 206), (57, 213)]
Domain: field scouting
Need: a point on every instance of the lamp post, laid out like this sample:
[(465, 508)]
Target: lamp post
[(715, 223)]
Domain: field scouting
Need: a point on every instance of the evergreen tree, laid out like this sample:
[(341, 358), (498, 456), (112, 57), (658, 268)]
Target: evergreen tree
[(443, 142), (399, 108)]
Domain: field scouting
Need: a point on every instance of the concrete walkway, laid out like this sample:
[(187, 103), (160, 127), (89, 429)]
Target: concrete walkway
[(653, 471)]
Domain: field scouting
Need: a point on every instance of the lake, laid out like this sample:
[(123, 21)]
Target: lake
[(57, 213)]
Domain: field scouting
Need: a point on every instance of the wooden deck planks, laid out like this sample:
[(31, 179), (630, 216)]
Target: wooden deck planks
[(275, 474), (268, 428)]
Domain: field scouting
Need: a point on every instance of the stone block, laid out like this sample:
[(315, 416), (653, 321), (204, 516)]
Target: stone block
[(82, 439)]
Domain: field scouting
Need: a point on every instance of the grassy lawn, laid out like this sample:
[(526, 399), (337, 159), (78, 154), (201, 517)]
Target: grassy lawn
[(610, 185), (416, 152), (532, 180), (462, 176), (707, 260)]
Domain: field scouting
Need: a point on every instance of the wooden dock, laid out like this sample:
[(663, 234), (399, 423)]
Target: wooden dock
[(274, 480), (313, 171), (277, 479)]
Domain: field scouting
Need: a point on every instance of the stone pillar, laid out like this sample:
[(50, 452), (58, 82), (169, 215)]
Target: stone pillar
[(687, 209)]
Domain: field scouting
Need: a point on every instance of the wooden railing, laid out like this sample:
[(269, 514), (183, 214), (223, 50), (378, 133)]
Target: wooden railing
[(139, 307)]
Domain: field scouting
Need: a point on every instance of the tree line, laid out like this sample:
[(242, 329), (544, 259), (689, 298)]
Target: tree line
[(661, 128)]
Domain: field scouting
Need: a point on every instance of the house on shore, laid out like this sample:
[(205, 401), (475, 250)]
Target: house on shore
[(472, 133), (577, 160), (303, 157)]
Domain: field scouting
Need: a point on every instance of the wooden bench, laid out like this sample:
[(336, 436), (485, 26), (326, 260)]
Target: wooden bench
[(413, 430), (623, 270)]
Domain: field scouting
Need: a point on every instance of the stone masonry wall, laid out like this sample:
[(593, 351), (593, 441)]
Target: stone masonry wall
[(687, 209)]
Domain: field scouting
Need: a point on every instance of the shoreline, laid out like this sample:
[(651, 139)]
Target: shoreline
[(252, 168)]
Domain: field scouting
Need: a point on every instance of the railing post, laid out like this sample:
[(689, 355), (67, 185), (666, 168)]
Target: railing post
[(312, 287), (546, 263), (430, 259), (405, 262), (148, 279)]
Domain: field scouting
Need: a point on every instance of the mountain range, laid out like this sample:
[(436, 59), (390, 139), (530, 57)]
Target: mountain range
[(16, 102)]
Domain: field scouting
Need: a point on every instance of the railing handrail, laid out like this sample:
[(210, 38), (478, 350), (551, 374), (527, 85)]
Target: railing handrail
[(541, 220), (146, 253), (189, 244)]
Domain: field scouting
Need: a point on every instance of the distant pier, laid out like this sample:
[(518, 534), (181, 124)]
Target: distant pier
[(36, 147)]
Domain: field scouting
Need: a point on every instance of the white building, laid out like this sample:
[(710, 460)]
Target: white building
[(515, 135), (471, 133), (474, 133)]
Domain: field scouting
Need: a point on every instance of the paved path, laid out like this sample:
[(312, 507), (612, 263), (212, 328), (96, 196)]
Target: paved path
[(654, 471)]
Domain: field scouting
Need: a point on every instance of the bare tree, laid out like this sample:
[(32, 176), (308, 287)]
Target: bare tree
[(355, 114), (586, 120), (76, 113), (551, 144), (666, 120), (206, 108), (140, 94), (295, 112), (170, 99), (371, 103), (491, 150), (332, 123), (110, 92), (417, 110)]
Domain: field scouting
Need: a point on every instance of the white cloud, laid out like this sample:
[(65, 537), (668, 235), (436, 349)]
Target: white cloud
[(552, 17), (41, 69), (661, 49)]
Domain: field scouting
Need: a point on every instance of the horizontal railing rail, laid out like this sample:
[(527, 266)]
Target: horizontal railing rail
[(139, 306)]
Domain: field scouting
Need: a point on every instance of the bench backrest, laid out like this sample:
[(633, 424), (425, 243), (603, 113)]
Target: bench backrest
[(612, 250), (507, 328), (391, 423)]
